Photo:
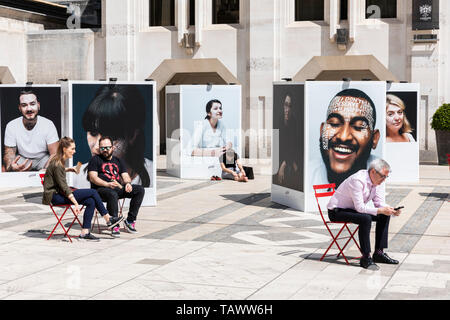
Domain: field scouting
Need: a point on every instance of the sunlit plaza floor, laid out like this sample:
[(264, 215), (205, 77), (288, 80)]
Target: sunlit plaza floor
[(224, 240)]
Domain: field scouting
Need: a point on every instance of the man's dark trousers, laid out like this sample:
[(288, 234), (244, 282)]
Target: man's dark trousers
[(111, 196), (364, 221)]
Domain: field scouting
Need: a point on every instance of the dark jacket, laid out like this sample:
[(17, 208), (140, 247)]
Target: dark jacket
[(55, 182)]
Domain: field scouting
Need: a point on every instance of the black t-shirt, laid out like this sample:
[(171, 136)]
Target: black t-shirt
[(227, 163), (108, 170)]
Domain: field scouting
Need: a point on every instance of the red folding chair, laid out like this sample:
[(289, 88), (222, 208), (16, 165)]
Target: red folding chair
[(329, 191), (96, 219), (66, 208)]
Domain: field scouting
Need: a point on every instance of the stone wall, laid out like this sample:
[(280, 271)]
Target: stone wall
[(13, 50), (62, 54)]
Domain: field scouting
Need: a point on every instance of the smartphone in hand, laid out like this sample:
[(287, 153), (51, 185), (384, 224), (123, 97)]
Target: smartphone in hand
[(398, 208)]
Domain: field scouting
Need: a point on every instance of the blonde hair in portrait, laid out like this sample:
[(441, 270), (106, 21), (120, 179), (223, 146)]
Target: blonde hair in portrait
[(396, 101)]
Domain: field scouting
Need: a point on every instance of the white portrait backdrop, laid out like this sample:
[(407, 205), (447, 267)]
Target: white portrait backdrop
[(403, 157), (318, 95), (193, 101)]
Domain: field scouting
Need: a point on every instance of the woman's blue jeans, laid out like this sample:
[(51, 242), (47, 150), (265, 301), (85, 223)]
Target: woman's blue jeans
[(87, 197)]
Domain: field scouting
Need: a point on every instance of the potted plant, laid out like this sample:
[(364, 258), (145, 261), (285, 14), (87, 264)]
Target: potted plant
[(441, 125)]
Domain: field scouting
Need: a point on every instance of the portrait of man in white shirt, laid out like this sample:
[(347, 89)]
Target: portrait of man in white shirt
[(29, 140)]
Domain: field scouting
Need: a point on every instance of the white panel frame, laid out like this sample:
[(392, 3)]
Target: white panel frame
[(310, 202), (173, 147), (150, 193), (29, 178), (404, 157), (305, 201), (195, 169), (289, 197)]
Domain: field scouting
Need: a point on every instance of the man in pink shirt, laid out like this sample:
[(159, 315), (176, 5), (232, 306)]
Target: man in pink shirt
[(350, 204)]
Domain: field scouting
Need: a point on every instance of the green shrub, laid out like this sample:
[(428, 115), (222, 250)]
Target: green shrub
[(441, 118)]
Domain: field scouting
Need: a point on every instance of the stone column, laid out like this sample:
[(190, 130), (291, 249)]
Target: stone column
[(200, 17), (261, 66), (181, 17), (333, 18), (426, 70), (353, 14), (119, 29)]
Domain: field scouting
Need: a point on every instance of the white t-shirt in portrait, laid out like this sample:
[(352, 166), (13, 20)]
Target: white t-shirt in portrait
[(206, 137), (33, 143)]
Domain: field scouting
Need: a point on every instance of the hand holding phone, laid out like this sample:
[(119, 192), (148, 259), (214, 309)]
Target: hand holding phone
[(398, 208)]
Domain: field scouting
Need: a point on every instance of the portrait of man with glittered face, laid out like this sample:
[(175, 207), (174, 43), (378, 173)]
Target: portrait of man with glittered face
[(348, 134)]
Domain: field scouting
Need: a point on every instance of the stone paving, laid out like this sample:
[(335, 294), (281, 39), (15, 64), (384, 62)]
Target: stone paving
[(209, 240)]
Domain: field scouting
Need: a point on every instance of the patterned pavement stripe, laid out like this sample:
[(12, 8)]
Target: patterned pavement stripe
[(253, 223), (403, 241), (206, 217), (415, 227), (10, 191), (168, 195)]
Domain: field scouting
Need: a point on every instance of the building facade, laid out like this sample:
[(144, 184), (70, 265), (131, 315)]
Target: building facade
[(258, 41)]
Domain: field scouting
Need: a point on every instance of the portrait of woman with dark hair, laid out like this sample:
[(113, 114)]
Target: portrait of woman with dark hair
[(173, 116), (119, 111), (209, 139), (288, 174)]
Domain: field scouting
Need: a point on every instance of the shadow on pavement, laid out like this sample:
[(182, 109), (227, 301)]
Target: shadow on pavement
[(436, 195), (250, 199)]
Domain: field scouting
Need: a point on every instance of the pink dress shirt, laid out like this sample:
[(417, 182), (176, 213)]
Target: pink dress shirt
[(356, 191)]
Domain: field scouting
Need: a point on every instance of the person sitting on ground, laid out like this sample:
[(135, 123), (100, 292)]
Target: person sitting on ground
[(349, 204), (231, 167), (108, 175), (57, 192)]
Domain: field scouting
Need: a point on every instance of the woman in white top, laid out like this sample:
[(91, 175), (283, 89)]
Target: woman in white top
[(398, 128), (209, 139)]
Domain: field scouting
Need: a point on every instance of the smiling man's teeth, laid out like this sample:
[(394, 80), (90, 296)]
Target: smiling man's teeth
[(342, 150)]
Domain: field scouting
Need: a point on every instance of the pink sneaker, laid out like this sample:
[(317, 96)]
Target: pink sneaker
[(115, 232), (130, 226)]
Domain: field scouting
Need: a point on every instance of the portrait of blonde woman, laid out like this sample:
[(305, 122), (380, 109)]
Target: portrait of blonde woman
[(398, 128)]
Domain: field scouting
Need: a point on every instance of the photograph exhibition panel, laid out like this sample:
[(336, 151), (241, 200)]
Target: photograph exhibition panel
[(31, 126), (207, 124), (339, 129), (124, 111), (288, 145), (402, 131)]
